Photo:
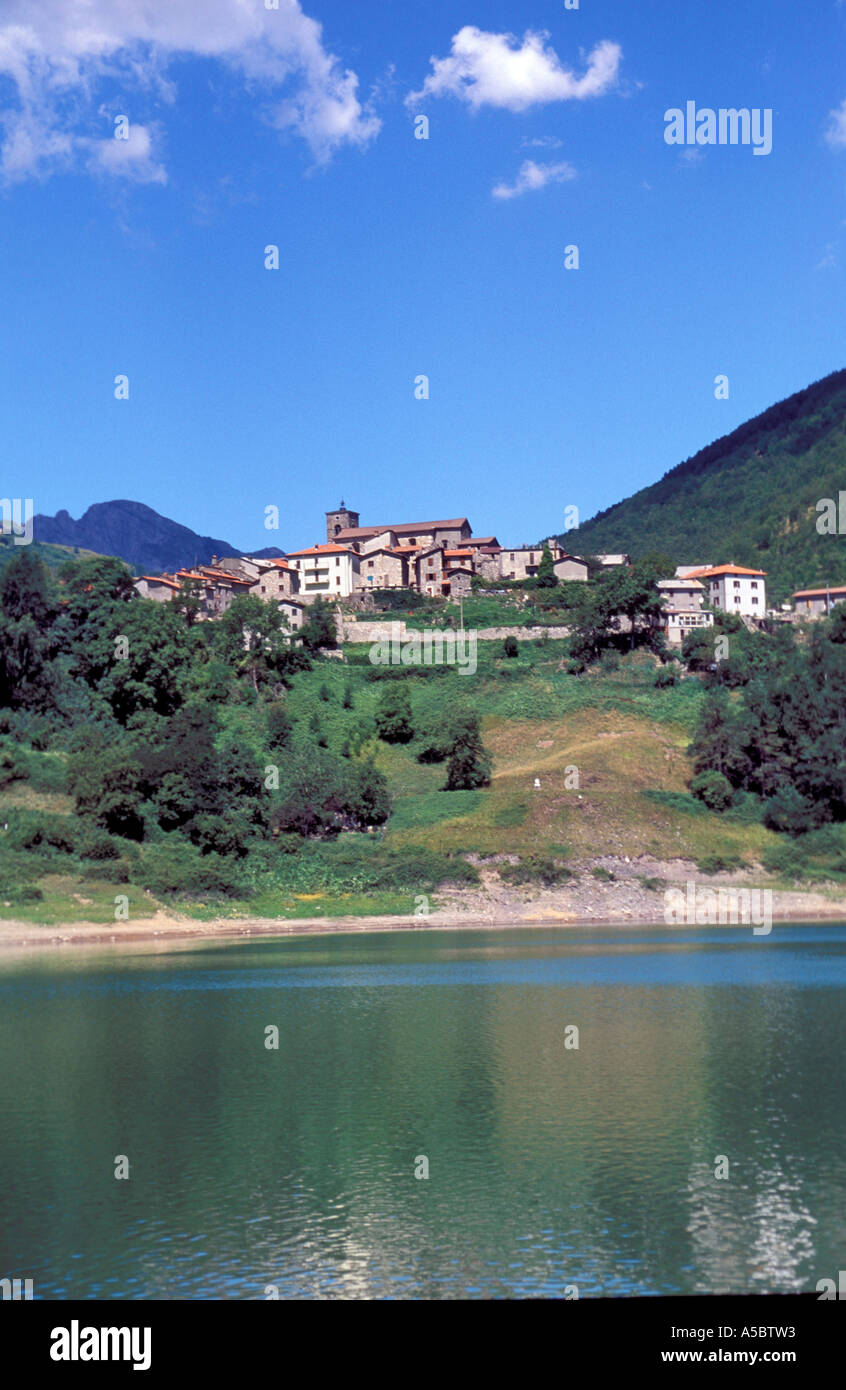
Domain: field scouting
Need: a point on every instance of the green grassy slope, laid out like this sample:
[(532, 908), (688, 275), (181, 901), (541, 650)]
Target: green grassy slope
[(627, 739), (54, 556)]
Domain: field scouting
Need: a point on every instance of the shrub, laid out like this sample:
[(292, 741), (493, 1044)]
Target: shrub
[(90, 843), (718, 863), (279, 727), (510, 647), (21, 893), (41, 832), (787, 858), (174, 866), (665, 676), (111, 870), (393, 716), (714, 789), (536, 868), (787, 810)]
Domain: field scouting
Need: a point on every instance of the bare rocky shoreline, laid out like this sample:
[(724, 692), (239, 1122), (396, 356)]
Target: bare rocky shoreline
[(621, 900)]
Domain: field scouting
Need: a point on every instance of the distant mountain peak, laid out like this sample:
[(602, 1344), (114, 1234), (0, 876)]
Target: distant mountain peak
[(135, 533)]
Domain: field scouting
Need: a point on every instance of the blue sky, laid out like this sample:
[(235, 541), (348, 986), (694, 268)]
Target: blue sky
[(294, 387)]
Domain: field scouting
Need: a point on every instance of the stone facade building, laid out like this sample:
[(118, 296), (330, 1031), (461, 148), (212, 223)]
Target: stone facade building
[(818, 603), (683, 611)]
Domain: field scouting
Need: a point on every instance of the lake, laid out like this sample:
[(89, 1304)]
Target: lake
[(300, 1170)]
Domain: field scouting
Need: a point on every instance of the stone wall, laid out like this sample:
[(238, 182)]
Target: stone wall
[(383, 632)]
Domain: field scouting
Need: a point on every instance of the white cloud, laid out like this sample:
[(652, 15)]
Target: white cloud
[(487, 69), (543, 142), (533, 177), (57, 53), (130, 158), (836, 131)]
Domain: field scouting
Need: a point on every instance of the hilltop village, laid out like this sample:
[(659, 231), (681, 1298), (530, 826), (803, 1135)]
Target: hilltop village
[(441, 559)]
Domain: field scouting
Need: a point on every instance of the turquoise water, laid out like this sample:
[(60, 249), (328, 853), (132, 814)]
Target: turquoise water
[(548, 1167)]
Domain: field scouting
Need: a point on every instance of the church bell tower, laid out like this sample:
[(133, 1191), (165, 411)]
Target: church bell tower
[(339, 521)]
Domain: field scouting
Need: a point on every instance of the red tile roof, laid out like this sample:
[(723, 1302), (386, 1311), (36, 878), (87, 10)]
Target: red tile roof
[(820, 593), (722, 570), (454, 524), (403, 528), (159, 579), (328, 549)]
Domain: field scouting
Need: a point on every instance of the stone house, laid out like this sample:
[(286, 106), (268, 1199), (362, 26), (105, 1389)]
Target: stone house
[(569, 568), (293, 610), (682, 611), (238, 565), (522, 562), (818, 603), (276, 579), (157, 587), (383, 567)]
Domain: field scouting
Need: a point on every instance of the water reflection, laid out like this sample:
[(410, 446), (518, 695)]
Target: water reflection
[(548, 1167)]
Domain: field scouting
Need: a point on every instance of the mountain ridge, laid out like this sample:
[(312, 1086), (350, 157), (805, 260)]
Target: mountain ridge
[(138, 534), (748, 497)]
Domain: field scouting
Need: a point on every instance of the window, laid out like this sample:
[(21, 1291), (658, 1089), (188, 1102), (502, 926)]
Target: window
[(370, 564), (337, 561), (737, 583), (754, 583), (512, 561), (754, 600)]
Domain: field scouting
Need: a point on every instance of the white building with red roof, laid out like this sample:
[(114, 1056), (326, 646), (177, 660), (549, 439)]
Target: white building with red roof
[(734, 588), (330, 570)]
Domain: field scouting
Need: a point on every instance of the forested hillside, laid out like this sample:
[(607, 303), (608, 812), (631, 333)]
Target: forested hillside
[(750, 497)]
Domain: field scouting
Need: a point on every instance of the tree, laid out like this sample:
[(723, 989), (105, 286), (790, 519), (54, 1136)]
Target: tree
[(252, 637), (469, 761), (279, 727), (106, 789), (189, 601), (546, 577), (320, 795), (319, 628), (144, 660), (510, 647), (26, 678), (25, 591), (393, 715)]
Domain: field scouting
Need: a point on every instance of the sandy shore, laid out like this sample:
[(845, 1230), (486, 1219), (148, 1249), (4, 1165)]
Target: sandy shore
[(622, 902)]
